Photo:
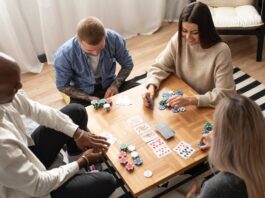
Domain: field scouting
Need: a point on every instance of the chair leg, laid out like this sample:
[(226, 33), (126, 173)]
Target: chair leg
[(260, 39)]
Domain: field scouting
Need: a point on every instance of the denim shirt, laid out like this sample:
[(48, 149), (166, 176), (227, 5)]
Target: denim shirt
[(73, 67)]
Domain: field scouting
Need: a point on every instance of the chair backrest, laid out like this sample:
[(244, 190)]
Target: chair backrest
[(227, 3)]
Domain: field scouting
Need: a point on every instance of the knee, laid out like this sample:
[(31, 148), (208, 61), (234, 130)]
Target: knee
[(75, 111), (110, 183)]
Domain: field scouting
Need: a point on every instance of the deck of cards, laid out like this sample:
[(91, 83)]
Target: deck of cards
[(184, 150)]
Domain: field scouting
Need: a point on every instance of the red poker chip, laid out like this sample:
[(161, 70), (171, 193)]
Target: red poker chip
[(129, 167), (122, 154), (123, 161)]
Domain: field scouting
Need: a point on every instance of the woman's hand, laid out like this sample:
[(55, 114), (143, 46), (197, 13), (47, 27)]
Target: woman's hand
[(149, 95), (206, 139), (181, 101)]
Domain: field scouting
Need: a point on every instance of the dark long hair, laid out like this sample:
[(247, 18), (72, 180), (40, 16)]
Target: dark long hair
[(199, 13)]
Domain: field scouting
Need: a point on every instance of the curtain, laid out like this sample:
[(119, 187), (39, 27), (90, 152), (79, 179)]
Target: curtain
[(33, 27)]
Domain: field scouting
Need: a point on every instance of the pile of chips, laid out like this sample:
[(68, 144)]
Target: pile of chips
[(105, 103), (207, 128), (165, 96), (124, 148)]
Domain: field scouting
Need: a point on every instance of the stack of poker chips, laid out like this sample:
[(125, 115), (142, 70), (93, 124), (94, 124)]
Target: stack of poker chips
[(124, 148), (165, 96)]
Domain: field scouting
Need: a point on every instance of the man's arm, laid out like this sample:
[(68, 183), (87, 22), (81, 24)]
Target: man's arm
[(75, 93), (122, 75)]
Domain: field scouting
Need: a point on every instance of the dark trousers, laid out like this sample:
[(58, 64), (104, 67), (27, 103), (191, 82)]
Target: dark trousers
[(100, 92), (48, 144)]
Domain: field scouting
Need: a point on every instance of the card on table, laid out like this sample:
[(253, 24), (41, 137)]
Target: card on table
[(110, 138), (135, 120), (148, 136), (142, 128), (159, 147), (184, 150)]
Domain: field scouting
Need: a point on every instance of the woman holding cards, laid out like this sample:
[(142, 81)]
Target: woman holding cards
[(197, 55), (237, 150)]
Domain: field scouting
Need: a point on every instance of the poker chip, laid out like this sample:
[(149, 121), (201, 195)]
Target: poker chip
[(134, 154), (122, 154), (179, 92), (131, 148), (124, 147), (201, 144), (162, 107), (148, 173), (138, 161), (129, 167), (123, 161)]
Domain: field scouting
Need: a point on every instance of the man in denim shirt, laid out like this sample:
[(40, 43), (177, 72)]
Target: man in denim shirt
[(85, 65)]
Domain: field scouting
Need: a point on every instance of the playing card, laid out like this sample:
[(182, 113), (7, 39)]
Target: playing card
[(156, 143), (135, 120), (180, 146), (162, 151), (123, 101), (159, 147), (142, 128), (148, 136), (184, 150), (110, 138)]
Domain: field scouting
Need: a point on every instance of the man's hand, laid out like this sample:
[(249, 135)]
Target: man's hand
[(149, 95), (89, 139), (111, 91), (93, 98), (182, 101), (91, 155)]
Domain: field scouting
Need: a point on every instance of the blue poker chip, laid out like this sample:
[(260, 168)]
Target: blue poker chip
[(162, 107), (138, 161), (205, 131), (179, 92), (175, 110), (201, 144), (167, 95)]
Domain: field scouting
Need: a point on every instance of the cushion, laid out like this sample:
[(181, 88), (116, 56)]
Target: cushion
[(66, 98), (227, 3), (241, 17)]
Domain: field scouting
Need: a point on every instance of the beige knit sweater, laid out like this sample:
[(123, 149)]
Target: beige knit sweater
[(207, 71)]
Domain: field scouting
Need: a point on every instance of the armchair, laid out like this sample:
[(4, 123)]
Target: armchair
[(239, 17)]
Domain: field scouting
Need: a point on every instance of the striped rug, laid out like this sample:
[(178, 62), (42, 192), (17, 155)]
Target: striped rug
[(248, 86)]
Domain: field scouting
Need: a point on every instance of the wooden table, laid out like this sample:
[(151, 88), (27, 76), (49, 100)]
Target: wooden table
[(187, 125)]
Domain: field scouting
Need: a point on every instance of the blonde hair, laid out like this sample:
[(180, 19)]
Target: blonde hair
[(91, 30), (238, 144)]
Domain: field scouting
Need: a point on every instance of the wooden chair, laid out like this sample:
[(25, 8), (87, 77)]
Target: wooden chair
[(239, 17)]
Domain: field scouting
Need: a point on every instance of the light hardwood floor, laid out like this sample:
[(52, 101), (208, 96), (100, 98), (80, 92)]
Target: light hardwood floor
[(144, 50)]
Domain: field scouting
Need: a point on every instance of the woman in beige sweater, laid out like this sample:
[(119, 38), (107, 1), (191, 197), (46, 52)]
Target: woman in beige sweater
[(197, 55)]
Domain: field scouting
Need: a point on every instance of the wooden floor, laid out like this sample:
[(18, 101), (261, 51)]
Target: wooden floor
[(144, 50)]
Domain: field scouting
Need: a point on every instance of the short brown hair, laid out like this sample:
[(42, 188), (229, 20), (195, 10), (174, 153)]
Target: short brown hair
[(199, 13), (91, 30)]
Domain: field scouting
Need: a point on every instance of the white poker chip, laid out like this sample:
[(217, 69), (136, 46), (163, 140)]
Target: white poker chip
[(134, 154), (148, 173), (131, 148)]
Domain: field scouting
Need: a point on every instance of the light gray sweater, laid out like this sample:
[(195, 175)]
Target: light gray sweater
[(208, 71), (224, 185)]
